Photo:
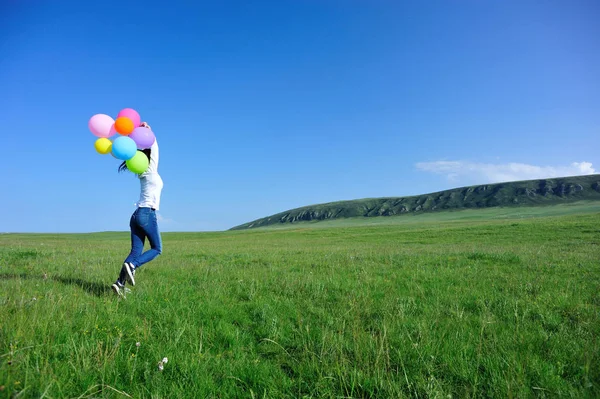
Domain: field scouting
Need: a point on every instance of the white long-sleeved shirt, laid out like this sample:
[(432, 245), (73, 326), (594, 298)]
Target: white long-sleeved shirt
[(151, 183)]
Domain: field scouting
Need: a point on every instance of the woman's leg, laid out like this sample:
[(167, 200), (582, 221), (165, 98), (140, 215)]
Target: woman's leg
[(149, 225), (137, 245)]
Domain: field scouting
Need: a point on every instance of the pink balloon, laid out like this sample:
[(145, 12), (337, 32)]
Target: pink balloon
[(143, 137), (100, 125), (113, 131), (131, 114)]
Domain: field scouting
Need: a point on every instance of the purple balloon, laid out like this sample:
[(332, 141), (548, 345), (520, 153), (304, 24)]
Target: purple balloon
[(143, 137)]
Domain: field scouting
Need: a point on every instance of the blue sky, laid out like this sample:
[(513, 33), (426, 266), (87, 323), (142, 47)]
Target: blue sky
[(264, 106)]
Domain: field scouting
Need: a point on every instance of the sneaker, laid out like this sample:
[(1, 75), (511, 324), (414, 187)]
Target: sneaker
[(130, 269), (115, 287)]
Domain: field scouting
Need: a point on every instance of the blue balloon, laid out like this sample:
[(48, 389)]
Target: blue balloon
[(124, 148)]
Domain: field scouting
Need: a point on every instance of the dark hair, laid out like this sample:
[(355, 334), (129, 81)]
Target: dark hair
[(123, 166)]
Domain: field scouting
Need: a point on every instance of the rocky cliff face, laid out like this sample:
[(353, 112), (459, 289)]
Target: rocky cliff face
[(531, 192)]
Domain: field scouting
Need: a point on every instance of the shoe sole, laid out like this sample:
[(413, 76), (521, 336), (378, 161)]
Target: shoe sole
[(129, 274), (116, 290)]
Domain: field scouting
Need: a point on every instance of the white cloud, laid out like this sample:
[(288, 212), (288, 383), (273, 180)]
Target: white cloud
[(163, 219), (168, 224), (495, 173)]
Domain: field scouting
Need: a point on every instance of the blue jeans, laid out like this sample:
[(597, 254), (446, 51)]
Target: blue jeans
[(143, 224)]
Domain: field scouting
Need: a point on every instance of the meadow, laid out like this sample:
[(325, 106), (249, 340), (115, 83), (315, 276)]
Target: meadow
[(494, 303)]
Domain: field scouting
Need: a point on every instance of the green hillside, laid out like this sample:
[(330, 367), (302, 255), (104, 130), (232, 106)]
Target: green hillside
[(512, 194)]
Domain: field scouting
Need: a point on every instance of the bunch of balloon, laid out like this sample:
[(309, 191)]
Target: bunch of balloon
[(131, 137)]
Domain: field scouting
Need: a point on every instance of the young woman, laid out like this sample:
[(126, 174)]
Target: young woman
[(143, 223)]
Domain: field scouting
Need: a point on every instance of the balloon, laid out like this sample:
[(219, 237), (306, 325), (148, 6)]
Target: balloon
[(103, 145), (143, 137), (124, 148), (112, 131), (139, 163), (131, 114), (124, 125), (100, 125)]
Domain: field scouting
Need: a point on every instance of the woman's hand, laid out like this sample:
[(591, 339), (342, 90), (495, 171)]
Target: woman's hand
[(145, 124)]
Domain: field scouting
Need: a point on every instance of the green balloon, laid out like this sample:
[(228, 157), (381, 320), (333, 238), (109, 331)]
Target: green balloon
[(138, 163)]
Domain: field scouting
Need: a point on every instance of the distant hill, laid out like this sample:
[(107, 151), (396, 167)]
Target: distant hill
[(519, 193)]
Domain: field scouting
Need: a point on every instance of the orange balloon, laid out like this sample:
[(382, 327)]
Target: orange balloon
[(124, 125)]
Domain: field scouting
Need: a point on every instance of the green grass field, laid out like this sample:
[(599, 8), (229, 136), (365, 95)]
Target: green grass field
[(501, 304)]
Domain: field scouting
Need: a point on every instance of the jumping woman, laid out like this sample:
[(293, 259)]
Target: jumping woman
[(143, 222)]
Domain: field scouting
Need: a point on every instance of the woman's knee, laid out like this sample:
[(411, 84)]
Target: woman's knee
[(156, 245)]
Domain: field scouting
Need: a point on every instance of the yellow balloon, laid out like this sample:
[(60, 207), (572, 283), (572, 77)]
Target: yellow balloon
[(103, 145)]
